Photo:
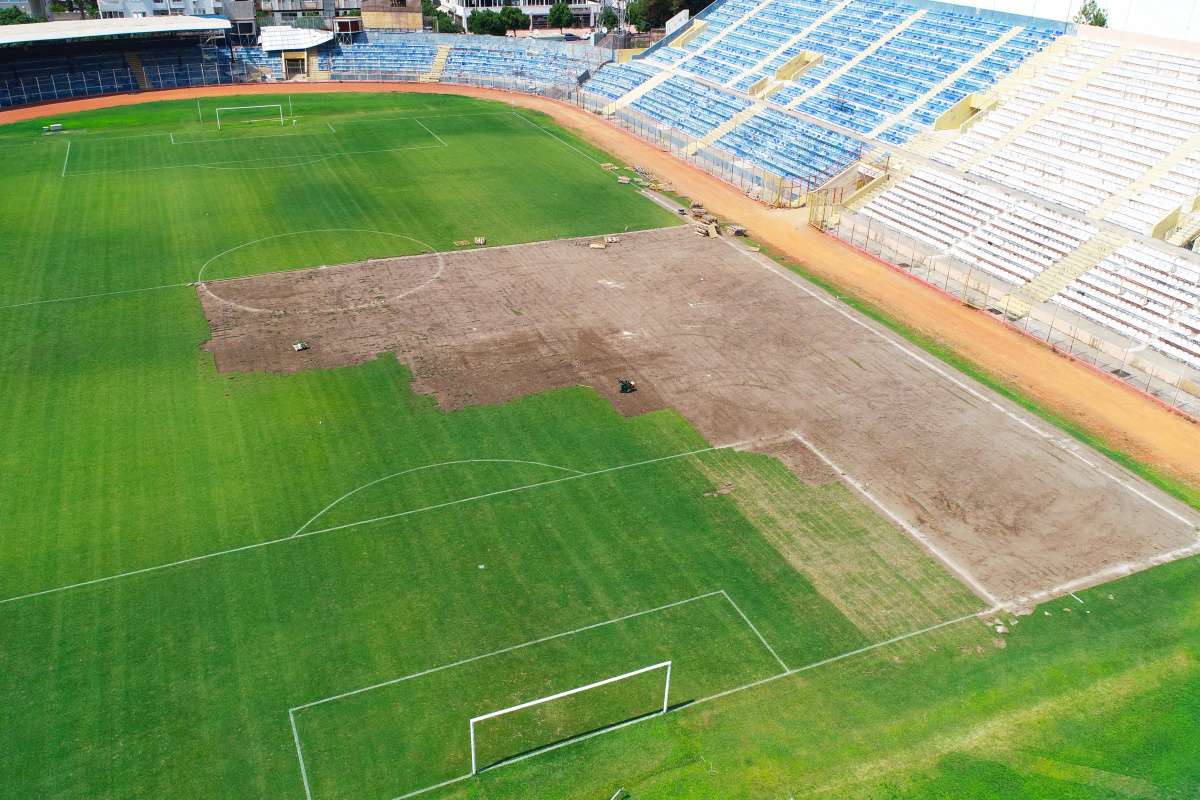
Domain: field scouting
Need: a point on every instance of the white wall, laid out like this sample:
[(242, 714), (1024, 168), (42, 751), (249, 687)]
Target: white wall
[(1176, 19)]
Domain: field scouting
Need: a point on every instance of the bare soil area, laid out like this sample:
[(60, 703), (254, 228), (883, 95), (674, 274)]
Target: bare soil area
[(1120, 416), (744, 350)]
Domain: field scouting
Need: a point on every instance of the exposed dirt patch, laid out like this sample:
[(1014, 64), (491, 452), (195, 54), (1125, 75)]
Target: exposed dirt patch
[(1121, 416), (806, 464), (724, 337)]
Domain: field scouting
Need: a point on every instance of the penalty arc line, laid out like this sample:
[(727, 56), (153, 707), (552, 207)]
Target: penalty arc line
[(410, 512), (423, 467)]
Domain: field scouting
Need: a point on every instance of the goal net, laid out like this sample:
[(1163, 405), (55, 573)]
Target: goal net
[(554, 720), (271, 114)]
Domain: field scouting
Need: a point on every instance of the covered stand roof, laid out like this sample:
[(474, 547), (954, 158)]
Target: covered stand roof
[(67, 30), (285, 37)]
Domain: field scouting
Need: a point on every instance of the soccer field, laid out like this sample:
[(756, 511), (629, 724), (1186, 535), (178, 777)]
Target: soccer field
[(307, 585)]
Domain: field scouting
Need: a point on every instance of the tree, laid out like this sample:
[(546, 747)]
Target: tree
[(1092, 14), (635, 15), (608, 18), (437, 19), (560, 16), (486, 22), (514, 19), (657, 12), (15, 16)]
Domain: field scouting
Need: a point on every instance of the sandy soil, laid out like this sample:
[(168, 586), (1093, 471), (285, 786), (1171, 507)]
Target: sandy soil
[(1119, 415), (744, 350)]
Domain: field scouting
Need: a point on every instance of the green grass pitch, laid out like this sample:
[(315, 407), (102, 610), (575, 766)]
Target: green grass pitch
[(496, 554)]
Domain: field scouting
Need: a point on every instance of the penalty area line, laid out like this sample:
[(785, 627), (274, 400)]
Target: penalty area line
[(410, 512), (787, 673)]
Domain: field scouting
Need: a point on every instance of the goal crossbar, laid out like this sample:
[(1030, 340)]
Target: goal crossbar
[(277, 106), (663, 665)]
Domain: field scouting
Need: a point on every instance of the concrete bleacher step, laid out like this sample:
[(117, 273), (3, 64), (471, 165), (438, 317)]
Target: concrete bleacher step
[(728, 29), (783, 48), (1059, 275), (637, 91), (862, 56), (315, 73), (1045, 110), (949, 80), (928, 142), (896, 173), (1014, 81), (1187, 231), (1159, 170), (439, 65), (137, 69), (724, 128)]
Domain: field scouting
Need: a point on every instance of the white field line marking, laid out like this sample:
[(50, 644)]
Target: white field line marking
[(235, 164), (533, 124), (503, 650), (172, 137), (353, 492), (1075, 597), (709, 698), (300, 756), (1056, 440), (236, 247), (754, 628), (66, 158), (92, 296), (540, 751), (289, 537), (431, 133), (499, 492), (431, 251), (1105, 575), (908, 528), (330, 126)]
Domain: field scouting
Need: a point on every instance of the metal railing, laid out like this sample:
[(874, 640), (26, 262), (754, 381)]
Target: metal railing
[(1132, 361), (40, 89)]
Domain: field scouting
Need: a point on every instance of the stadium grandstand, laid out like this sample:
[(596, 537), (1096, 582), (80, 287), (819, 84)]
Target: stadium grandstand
[(1051, 168)]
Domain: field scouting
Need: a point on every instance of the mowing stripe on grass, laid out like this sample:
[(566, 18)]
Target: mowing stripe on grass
[(787, 673), (911, 530), (290, 537), (352, 492), (292, 712)]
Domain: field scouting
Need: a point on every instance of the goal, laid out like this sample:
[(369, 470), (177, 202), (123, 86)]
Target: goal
[(664, 666), (248, 115)]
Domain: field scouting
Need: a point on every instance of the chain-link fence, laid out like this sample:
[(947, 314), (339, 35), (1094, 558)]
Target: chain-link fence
[(40, 89), (1134, 362)]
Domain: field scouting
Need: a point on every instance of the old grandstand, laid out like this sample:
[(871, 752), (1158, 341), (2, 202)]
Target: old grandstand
[(1058, 165)]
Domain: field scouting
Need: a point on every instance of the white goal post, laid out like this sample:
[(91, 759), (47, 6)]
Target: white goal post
[(269, 118), (663, 665)]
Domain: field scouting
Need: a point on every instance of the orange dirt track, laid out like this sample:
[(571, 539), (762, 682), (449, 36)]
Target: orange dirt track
[(1122, 417)]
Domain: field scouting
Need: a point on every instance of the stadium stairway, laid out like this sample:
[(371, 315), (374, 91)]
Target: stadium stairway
[(724, 128), (439, 65), (315, 72), (950, 80), (137, 69), (896, 173), (790, 43), (637, 91), (728, 29), (1046, 109), (1186, 231), (1159, 170), (862, 56), (1059, 275)]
